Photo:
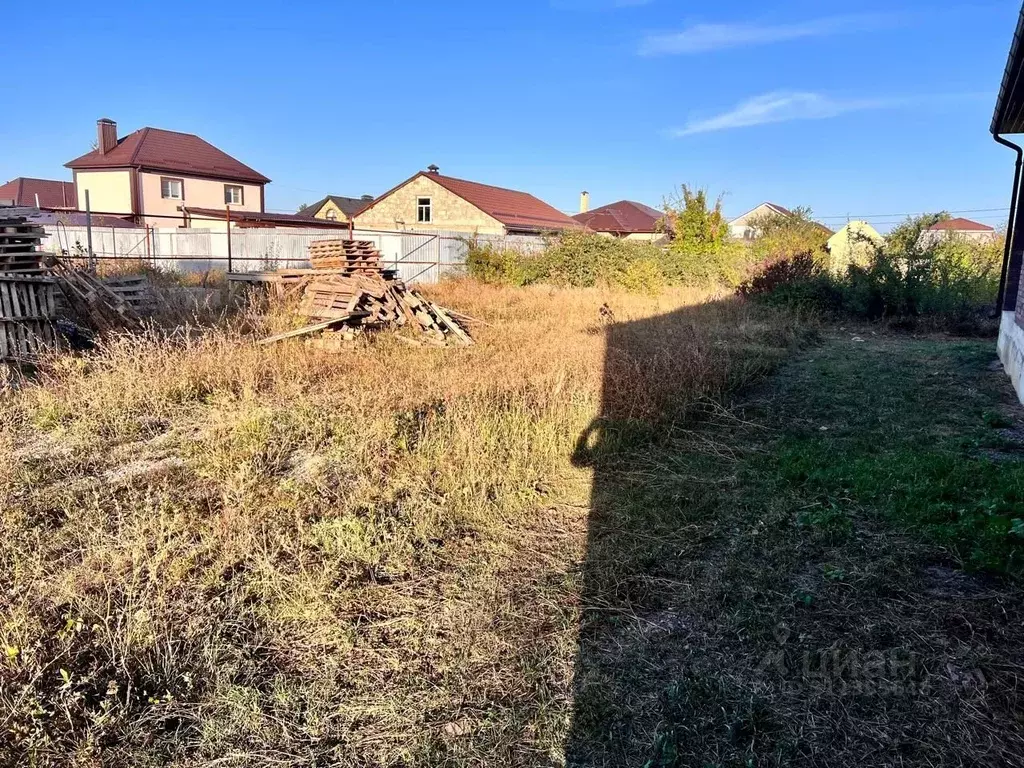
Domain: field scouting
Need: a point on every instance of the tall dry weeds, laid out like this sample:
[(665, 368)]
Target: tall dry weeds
[(214, 551)]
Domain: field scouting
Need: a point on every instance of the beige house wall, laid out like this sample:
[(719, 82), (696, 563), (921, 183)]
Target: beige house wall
[(109, 191), (855, 243), (448, 211), (197, 193)]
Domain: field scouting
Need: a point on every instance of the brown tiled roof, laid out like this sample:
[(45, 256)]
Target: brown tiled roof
[(518, 211), (52, 194), (957, 225), (623, 216), (169, 151), (350, 206)]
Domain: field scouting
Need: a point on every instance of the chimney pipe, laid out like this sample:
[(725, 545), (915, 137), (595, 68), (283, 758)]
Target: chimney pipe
[(433, 168), (106, 135), (584, 201)]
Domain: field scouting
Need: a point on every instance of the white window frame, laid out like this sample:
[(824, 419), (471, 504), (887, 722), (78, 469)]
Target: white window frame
[(424, 209), (241, 194), (166, 194), (331, 215)]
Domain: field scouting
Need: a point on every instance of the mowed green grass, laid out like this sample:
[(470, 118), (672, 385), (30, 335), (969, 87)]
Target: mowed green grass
[(825, 573)]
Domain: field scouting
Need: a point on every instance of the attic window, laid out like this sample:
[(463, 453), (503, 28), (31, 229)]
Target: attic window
[(423, 210), (172, 189), (233, 195), (331, 215)]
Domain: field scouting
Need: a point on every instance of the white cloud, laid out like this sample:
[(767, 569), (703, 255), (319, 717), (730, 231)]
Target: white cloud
[(701, 38), (783, 106)]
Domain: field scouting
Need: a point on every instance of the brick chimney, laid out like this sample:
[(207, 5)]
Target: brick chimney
[(584, 201), (106, 135)]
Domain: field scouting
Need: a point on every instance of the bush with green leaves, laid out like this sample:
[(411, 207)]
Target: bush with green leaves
[(911, 275), (700, 251)]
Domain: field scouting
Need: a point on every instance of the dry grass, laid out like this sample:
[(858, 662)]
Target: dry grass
[(220, 554)]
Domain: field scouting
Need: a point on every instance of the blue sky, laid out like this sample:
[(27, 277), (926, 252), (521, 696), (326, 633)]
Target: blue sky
[(877, 108)]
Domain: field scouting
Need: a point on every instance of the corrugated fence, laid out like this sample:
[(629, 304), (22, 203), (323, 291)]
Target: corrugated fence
[(419, 256)]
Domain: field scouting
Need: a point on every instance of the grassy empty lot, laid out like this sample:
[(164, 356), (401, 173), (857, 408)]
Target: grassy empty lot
[(581, 541)]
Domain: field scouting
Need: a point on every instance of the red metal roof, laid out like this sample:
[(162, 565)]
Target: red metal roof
[(623, 216), (961, 225), (159, 150), (518, 211), (52, 194)]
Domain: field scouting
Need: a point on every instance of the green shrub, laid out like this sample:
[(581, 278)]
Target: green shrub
[(491, 263), (641, 275), (949, 281), (699, 250)]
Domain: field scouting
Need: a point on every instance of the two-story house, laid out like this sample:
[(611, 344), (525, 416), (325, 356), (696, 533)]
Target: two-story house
[(153, 174)]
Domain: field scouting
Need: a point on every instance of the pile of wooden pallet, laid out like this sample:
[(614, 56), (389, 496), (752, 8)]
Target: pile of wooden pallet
[(19, 246), (347, 289)]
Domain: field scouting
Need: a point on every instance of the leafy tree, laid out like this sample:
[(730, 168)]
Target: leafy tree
[(699, 249), (783, 237)]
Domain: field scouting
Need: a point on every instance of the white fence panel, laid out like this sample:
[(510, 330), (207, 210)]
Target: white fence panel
[(418, 256)]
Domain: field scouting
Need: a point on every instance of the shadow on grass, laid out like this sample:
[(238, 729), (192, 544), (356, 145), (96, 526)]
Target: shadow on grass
[(745, 605)]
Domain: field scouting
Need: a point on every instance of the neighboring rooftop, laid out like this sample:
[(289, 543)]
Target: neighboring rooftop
[(259, 219), (772, 207), (158, 150), (623, 216), (518, 211), (350, 206), (51, 193), (960, 225)]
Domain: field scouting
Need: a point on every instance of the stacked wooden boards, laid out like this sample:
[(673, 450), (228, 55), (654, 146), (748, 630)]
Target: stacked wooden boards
[(347, 289), (19, 246)]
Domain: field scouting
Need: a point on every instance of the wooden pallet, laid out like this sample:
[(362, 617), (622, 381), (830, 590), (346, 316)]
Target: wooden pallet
[(357, 256), (27, 309), (20, 247), (135, 290)]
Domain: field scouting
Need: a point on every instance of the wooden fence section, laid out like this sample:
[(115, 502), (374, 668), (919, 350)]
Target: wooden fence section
[(27, 308)]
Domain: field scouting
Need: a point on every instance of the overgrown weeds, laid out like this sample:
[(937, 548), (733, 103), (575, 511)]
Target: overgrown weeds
[(275, 555)]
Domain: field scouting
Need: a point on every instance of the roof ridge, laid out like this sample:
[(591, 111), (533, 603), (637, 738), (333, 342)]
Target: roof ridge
[(478, 183)]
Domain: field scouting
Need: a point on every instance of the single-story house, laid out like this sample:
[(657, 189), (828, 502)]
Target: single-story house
[(430, 201), (151, 174), (39, 193), (741, 228), (854, 243), (626, 219), (958, 228), (336, 207), (1008, 119)]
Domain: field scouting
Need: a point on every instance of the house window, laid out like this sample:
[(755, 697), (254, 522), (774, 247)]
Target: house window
[(331, 215), (172, 189), (233, 195), (423, 210)]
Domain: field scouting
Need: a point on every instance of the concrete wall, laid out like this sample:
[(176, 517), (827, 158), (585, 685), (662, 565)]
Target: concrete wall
[(198, 193), (1010, 347), (109, 191), (449, 211)]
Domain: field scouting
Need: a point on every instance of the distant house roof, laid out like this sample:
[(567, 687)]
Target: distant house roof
[(169, 151), (350, 206), (67, 218), (258, 219), (518, 211), (623, 216), (52, 194), (773, 207), (960, 225)]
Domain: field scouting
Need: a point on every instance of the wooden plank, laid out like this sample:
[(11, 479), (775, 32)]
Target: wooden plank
[(307, 329)]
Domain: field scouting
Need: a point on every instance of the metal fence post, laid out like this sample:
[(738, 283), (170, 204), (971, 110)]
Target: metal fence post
[(90, 259), (229, 237)]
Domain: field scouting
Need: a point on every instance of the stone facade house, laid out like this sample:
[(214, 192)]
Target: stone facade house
[(152, 174), (430, 201), (336, 208)]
